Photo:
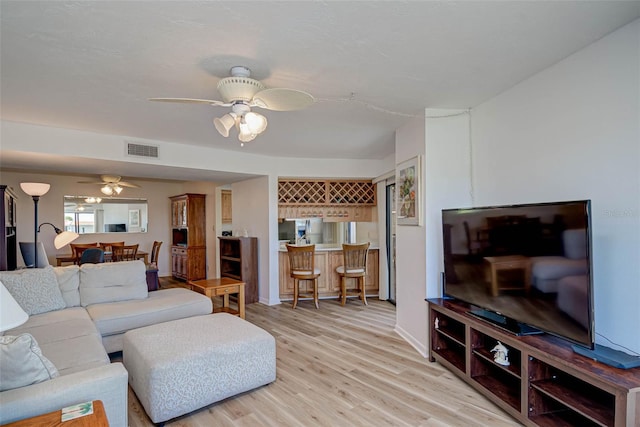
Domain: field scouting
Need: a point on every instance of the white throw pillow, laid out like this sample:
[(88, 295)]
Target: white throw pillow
[(22, 362), (35, 289)]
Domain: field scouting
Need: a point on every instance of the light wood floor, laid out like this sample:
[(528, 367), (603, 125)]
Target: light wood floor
[(343, 366)]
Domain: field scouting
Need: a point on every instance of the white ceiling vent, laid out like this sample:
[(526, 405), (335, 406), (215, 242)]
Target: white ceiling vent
[(141, 150)]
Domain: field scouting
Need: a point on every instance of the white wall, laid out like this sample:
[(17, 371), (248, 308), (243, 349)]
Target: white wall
[(572, 132), (411, 318), (250, 201), (447, 173), (443, 137)]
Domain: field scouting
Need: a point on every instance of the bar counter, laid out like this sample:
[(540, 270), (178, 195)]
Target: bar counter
[(327, 258)]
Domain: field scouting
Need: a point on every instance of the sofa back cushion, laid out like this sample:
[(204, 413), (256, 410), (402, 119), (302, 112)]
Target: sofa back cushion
[(69, 283), (35, 289), (112, 281), (575, 243)]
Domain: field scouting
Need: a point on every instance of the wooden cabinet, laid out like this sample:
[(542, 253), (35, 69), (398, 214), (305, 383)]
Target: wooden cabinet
[(8, 221), (239, 260), (188, 246), (546, 383), (329, 280), (226, 211)]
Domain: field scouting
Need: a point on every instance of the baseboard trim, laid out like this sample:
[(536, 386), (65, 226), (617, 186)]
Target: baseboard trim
[(420, 348)]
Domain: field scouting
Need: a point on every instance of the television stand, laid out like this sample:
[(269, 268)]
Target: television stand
[(503, 322), (546, 382)]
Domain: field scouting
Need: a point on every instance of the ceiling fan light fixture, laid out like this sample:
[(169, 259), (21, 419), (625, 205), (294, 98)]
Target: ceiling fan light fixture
[(257, 123), (117, 189), (107, 190), (246, 136), (224, 123)]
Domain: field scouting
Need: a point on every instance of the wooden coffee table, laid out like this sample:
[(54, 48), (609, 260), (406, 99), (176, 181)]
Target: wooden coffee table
[(508, 262), (221, 287), (97, 419)]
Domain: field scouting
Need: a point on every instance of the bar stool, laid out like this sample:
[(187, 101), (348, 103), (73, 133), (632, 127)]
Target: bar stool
[(301, 263), (354, 267)]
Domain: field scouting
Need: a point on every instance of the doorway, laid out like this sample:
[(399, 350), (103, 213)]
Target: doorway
[(391, 239)]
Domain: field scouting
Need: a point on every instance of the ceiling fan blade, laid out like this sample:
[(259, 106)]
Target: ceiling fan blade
[(91, 182), (282, 99), (191, 101), (128, 184)]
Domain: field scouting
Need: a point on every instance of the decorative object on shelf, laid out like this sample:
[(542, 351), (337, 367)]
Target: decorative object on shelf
[(501, 356), (436, 323), (241, 92), (35, 190), (409, 199)]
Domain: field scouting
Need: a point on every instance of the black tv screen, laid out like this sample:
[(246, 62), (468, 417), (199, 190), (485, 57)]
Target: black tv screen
[(523, 266)]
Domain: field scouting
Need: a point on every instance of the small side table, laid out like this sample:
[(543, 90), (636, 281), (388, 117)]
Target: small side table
[(54, 419), (508, 262), (224, 287)]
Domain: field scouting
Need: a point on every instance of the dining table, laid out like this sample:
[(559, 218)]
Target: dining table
[(69, 259)]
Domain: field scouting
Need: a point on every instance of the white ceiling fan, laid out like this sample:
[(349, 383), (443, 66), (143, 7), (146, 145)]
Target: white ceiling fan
[(241, 92), (111, 184)]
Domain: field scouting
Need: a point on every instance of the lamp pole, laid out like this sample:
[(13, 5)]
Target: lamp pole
[(36, 199)]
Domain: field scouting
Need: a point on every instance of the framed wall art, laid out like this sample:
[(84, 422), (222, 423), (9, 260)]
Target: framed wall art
[(134, 218), (408, 192)]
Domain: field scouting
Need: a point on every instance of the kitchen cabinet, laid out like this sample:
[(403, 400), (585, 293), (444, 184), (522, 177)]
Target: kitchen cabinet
[(227, 212), (188, 246)]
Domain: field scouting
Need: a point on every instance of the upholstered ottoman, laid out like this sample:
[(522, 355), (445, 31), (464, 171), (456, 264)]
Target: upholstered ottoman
[(183, 365)]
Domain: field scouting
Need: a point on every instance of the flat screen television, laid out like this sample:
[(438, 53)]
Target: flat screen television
[(115, 228), (527, 268)]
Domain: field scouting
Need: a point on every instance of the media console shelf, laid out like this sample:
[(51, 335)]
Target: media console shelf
[(546, 383)]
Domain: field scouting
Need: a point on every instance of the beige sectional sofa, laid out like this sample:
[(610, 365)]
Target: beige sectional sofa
[(77, 316)]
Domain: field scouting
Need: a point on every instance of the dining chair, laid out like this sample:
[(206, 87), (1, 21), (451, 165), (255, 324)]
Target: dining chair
[(124, 252), (108, 246), (28, 255), (78, 248), (302, 266), (92, 256), (155, 250), (354, 267)]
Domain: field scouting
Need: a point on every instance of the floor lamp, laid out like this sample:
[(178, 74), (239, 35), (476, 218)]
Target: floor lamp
[(35, 190)]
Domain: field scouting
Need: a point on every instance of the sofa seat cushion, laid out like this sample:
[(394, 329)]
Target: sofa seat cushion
[(112, 282), (160, 306), (557, 267), (68, 338)]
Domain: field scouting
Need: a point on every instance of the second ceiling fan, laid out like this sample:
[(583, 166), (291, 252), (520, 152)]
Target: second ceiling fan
[(241, 93)]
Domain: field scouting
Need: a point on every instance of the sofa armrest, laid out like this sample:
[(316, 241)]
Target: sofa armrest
[(108, 383)]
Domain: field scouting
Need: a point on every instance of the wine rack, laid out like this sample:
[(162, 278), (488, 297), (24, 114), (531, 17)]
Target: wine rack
[(326, 192)]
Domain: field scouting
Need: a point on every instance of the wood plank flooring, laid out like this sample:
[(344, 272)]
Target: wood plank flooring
[(342, 366)]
